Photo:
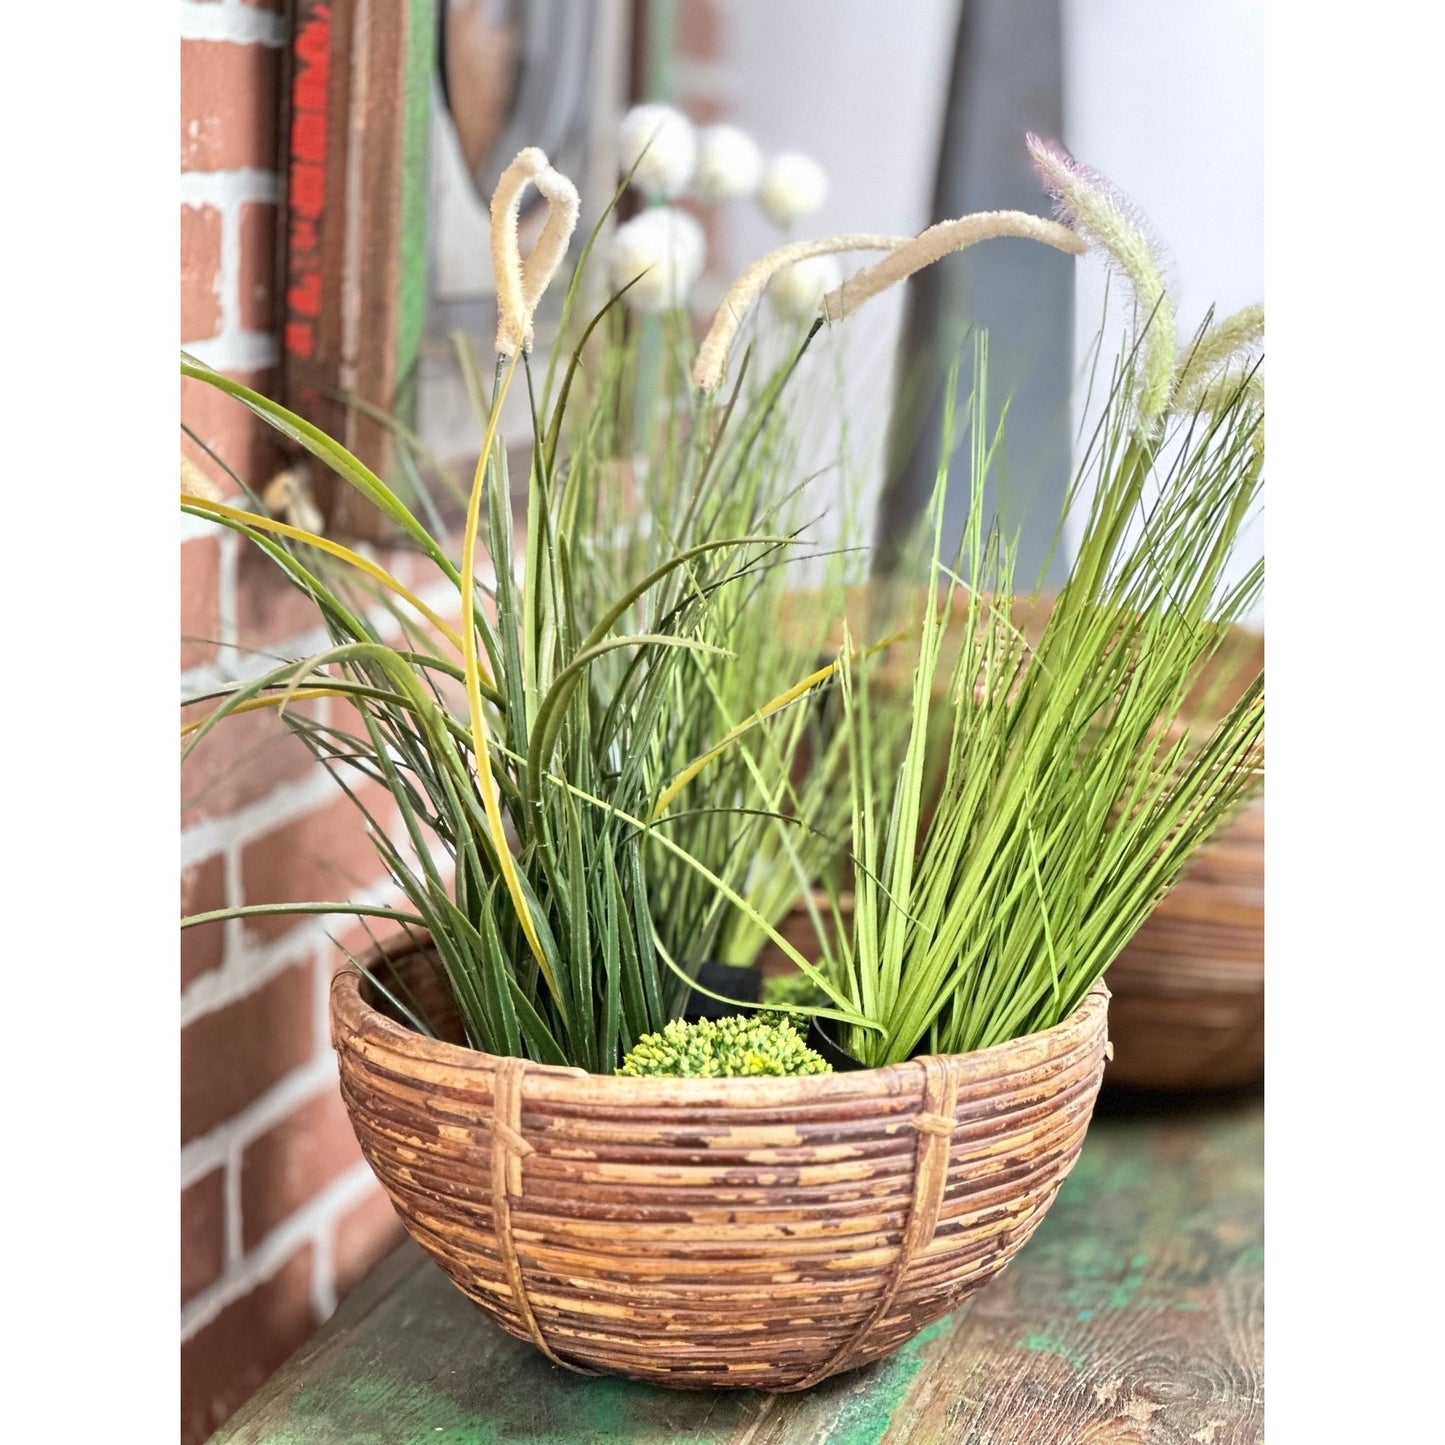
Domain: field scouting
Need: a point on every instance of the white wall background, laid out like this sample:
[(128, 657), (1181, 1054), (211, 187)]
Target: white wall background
[(1167, 100), (859, 85), (1164, 99)]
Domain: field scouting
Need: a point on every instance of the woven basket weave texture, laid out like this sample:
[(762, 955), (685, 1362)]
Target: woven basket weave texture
[(1188, 990), (763, 1233)]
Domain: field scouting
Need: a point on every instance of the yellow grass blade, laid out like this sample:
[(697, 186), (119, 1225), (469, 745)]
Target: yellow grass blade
[(472, 665), (277, 700), (783, 699), (335, 549)]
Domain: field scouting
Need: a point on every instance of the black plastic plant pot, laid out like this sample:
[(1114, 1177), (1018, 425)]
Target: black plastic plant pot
[(823, 1039), (742, 983)]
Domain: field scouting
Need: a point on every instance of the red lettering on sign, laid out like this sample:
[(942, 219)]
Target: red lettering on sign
[(306, 185), (300, 340), (308, 188), (305, 295), (308, 136), (313, 54), (313, 44)]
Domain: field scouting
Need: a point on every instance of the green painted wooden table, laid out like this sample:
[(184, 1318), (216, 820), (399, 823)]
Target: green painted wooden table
[(1133, 1317)]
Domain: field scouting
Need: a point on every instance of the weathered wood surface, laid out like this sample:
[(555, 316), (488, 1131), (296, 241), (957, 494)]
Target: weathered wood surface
[(1133, 1317)]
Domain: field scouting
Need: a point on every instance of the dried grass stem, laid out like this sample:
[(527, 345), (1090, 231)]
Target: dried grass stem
[(712, 357), (942, 240), (520, 284)]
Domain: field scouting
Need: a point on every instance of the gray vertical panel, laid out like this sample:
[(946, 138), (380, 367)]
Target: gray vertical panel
[(1006, 80)]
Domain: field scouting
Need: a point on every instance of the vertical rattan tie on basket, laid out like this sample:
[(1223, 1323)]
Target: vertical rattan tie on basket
[(934, 1125), (509, 1149)]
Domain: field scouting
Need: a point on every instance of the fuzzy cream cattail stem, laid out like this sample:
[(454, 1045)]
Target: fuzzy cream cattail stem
[(520, 285), (563, 207), (1230, 341), (1214, 395), (1094, 208), (1224, 387), (712, 357), (939, 241)]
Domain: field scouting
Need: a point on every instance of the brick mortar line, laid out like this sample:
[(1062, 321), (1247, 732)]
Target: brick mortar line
[(228, 275), (250, 967), (250, 663), (210, 836), (233, 930), (231, 20), (195, 529), (233, 348), (208, 676), (322, 974), (213, 1150), (323, 1271), (315, 1219), (237, 351), (246, 967), (284, 804), (227, 589), (288, 802), (229, 188), (323, 1268), (234, 1254)]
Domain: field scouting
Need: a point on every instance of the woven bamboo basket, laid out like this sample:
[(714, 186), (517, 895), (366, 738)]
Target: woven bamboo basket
[(758, 1233), (1188, 990)]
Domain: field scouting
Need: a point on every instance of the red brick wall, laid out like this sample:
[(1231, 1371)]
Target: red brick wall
[(702, 88), (279, 1214)]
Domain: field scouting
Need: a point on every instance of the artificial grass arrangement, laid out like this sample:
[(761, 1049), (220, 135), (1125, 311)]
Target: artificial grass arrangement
[(1073, 794), (607, 757), (644, 484), (528, 750), (611, 761)]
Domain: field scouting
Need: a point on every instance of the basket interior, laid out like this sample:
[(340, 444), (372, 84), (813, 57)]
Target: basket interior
[(411, 979)]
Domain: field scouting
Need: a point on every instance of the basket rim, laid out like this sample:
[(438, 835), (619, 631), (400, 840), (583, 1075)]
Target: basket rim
[(357, 1025)]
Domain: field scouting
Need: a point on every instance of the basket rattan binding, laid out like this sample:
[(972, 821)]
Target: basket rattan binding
[(761, 1233)]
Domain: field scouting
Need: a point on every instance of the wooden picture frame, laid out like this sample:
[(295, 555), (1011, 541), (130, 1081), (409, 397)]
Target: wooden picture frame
[(357, 126)]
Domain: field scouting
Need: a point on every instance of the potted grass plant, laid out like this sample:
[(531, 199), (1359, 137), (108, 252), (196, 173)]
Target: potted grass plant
[(1186, 1010), (783, 634), (713, 1207), (1176, 454)]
